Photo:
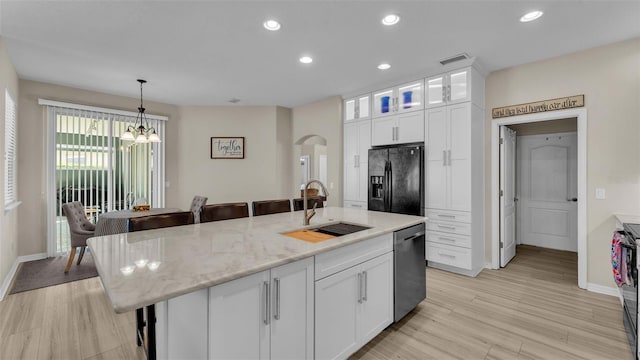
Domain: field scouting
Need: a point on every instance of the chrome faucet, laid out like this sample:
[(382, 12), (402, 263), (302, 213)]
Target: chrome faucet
[(308, 216)]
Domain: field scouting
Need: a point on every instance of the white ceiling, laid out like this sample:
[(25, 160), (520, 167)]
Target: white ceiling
[(208, 52)]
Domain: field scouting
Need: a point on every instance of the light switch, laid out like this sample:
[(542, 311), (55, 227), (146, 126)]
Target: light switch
[(167, 183), (331, 185), (601, 194)]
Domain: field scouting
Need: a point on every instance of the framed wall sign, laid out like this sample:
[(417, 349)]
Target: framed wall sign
[(227, 147)]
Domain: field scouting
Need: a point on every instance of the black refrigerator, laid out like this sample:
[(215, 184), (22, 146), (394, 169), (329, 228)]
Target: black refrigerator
[(396, 179)]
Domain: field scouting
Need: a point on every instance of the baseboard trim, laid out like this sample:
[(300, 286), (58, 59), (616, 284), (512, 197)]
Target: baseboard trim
[(14, 268), (606, 290), (453, 269)]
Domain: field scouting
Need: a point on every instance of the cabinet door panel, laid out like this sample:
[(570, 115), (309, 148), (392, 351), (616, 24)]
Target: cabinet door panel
[(236, 319), (350, 161), (460, 185), (435, 156), (364, 140), (336, 306), (459, 86), (364, 106), (460, 131), (383, 103), (292, 310), (410, 97), (410, 127), (382, 131), (187, 326), (376, 309), (349, 109), (435, 91)]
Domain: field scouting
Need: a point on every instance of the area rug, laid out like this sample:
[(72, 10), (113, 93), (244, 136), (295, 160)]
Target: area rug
[(48, 272)]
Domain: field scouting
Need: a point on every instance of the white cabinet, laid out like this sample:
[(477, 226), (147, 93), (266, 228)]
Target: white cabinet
[(454, 189), (357, 141), (455, 87), (448, 137), (358, 107), (399, 99), (398, 129), (354, 296), (264, 315)]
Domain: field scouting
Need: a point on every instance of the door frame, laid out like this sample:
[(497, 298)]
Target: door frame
[(581, 115)]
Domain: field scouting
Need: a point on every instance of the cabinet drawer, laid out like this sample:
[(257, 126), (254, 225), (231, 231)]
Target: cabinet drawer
[(449, 239), (449, 215), (449, 255), (449, 227), (345, 257), (355, 205)]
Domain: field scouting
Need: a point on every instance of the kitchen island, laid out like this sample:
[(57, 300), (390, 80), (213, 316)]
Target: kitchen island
[(191, 271)]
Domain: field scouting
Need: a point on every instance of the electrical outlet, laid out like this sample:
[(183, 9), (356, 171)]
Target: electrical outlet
[(167, 183), (601, 194)]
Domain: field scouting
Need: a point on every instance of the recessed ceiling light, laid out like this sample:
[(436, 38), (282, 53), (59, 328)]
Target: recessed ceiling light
[(530, 16), (306, 60), (390, 19), (271, 25), (384, 66)]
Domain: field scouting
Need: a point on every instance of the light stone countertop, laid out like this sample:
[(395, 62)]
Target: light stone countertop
[(626, 218), (179, 260)]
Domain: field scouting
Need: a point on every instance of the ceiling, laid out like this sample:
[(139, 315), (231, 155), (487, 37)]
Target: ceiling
[(208, 52)]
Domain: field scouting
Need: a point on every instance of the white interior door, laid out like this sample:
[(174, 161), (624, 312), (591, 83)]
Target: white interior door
[(548, 190), (508, 198)]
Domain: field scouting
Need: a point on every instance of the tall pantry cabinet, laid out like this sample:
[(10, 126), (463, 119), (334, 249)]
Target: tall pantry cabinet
[(454, 171), (357, 141)]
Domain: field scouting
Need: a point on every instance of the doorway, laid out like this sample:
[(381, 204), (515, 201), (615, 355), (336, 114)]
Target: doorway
[(581, 117)]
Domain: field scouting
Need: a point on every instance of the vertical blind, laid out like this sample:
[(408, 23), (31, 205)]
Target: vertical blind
[(93, 166), (10, 147)]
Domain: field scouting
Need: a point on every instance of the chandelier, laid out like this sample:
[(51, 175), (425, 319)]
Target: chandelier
[(142, 133)]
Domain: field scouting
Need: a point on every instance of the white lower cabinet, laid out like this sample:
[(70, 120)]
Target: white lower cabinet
[(268, 315), (353, 306)]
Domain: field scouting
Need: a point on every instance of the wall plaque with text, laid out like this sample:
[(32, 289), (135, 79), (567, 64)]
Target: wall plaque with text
[(569, 102)]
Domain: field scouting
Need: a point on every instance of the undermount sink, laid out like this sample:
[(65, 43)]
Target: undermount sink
[(325, 232)]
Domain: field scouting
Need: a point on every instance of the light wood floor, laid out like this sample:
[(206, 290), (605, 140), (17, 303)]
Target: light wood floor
[(532, 309)]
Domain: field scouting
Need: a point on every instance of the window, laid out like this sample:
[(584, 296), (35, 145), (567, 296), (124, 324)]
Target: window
[(10, 151)]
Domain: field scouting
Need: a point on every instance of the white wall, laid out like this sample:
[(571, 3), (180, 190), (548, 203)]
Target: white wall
[(8, 221), (609, 77)]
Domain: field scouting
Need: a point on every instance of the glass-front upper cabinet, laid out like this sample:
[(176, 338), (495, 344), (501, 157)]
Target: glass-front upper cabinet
[(449, 88), (400, 99), (357, 108)]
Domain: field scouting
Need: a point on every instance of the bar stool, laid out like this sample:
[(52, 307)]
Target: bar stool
[(226, 211), (160, 221), (266, 207), (298, 203)]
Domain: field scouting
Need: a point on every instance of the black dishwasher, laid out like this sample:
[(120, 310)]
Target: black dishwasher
[(409, 279)]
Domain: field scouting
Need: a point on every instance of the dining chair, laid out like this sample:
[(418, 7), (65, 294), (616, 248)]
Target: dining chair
[(160, 221), (227, 211), (298, 203), (196, 206), (266, 207), (80, 229)]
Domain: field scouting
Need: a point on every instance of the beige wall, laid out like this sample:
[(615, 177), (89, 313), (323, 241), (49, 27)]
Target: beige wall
[(322, 118), (261, 175), (609, 78), (8, 221), (31, 149)]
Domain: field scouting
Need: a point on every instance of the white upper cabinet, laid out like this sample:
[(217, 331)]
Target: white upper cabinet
[(455, 87), (400, 99), (398, 129), (358, 107)]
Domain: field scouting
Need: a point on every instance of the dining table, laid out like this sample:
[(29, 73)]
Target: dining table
[(116, 222)]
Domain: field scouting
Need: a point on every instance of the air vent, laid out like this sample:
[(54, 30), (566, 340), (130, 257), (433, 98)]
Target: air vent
[(455, 58), (234, 101)]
